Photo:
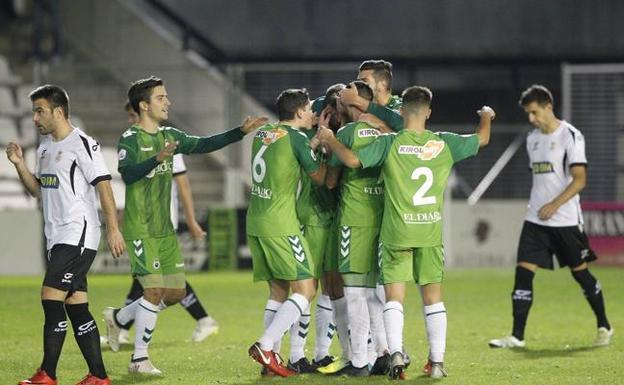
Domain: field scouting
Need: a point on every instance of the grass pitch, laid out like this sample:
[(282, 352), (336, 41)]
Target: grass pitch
[(560, 330)]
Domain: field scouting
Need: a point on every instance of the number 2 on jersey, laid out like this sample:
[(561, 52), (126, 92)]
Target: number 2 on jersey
[(258, 167), (419, 197)]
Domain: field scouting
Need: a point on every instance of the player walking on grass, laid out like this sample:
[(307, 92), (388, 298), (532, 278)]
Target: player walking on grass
[(415, 165), (554, 222), (206, 325), (70, 168), (281, 255), (146, 154)]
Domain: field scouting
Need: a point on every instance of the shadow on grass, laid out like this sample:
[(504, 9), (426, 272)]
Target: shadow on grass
[(546, 353)]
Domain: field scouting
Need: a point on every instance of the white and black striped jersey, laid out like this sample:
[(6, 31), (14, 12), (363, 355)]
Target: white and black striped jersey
[(178, 168), (550, 159), (67, 171)]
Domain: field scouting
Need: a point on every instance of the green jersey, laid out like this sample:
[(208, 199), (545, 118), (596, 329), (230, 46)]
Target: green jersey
[(316, 205), (415, 169), (279, 154), (148, 198), (361, 191), (394, 103)]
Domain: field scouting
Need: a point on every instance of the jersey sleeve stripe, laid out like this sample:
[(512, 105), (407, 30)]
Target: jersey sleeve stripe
[(72, 171), (179, 173), (100, 179), (85, 142)]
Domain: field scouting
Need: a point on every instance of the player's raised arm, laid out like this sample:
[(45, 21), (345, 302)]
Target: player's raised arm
[(16, 156), (202, 145), (346, 156), (486, 114)]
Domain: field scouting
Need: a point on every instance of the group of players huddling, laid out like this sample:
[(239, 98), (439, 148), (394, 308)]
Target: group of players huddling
[(347, 193)]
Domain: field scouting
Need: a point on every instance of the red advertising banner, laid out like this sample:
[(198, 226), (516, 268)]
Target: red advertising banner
[(604, 225)]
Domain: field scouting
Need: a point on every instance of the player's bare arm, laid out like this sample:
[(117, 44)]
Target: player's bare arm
[(486, 114), (349, 97), (16, 156), (114, 238), (579, 178), (375, 122), (346, 156), (186, 197), (333, 177)]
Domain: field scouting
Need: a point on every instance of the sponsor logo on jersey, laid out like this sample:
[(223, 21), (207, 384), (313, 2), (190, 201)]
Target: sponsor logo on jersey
[(147, 148), (163, 168), (422, 218), (428, 151), (67, 278), (261, 192), (49, 181), (542, 167), (376, 190), (522, 295), (271, 136), (367, 132)]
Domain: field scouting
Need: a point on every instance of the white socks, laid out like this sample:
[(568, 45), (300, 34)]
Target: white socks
[(128, 312), (269, 312), (359, 324), (393, 321), (341, 319), (145, 322), (324, 327), (435, 323), (378, 332), (286, 315), (299, 335)]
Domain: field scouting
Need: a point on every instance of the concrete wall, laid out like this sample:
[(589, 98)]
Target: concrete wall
[(21, 240), (121, 37), (410, 28)]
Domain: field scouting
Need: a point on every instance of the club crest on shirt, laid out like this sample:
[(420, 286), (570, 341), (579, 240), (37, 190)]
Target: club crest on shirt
[(428, 151), (58, 156), (272, 136)]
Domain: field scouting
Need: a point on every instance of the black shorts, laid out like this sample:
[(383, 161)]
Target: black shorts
[(539, 243), (67, 267)]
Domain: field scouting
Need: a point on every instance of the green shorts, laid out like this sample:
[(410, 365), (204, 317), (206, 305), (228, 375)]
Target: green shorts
[(423, 264), (330, 262), (357, 249), (284, 257), (317, 237), (157, 262)]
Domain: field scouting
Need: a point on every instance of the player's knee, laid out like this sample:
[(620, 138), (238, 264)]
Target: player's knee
[(528, 266)]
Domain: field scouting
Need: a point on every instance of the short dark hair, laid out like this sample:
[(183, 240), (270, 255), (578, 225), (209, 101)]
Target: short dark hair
[(363, 89), (141, 90), (127, 106), (382, 70), (415, 97), (536, 93), (331, 95), (291, 100), (56, 96)]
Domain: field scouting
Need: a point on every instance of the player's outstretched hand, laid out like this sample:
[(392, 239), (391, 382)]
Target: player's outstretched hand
[(15, 153), (253, 122), (325, 117), (116, 242), (487, 111), (166, 152), (196, 231)]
